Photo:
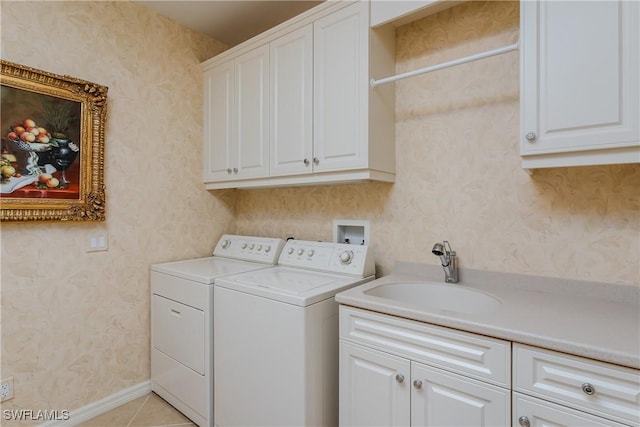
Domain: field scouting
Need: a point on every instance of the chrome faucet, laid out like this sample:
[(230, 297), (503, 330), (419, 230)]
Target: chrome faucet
[(448, 261)]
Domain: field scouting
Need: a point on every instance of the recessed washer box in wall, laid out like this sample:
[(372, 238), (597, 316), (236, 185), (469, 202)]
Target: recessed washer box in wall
[(351, 231)]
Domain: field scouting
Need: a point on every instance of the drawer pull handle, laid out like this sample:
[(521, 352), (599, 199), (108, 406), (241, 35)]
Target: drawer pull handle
[(524, 421), (175, 312), (588, 389), (417, 384), (399, 378)]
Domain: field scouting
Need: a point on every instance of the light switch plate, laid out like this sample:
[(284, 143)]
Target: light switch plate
[(98, 242)]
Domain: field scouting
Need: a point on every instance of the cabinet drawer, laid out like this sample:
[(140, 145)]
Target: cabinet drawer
[(540, 413), (484, 358), (599, 388)]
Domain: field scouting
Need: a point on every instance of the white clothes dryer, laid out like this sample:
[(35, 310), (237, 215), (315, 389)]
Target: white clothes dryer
[(182, 320), (276, 334)]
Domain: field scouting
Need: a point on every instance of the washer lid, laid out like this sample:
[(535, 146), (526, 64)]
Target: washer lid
[(290, 285), (206, 270)]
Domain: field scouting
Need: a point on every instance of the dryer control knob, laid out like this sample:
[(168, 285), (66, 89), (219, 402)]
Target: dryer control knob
[(267, 248), (311, 252), (251, 246), (300, 251), (244, 246), (346, 257), (226, 243), (290, 251), (259, 247)]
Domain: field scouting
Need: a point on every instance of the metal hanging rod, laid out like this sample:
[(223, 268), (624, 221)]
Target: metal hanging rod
[(448, 64)]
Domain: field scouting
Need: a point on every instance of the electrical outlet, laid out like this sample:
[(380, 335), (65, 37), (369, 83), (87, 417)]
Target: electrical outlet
[(6, 389)]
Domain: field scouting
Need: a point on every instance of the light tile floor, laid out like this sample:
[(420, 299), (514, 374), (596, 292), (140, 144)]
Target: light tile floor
[(146, 411)]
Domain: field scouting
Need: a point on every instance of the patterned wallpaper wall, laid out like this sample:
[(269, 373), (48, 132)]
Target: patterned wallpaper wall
[(459, 176), (75, 325)]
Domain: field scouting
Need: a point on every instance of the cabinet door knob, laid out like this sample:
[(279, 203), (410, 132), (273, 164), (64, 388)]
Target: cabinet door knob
[(588, 389), (399, 378), (316, 160), (229, 170), (524, 421), (235, 170), (306, 162), (417, 384), (530, 136)]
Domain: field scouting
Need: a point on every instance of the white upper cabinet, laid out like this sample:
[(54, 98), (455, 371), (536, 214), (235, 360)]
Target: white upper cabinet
[(292, 102), (301, 110), (236, 108), (219, 100), (252, 113), (341, 85), (579, 83)]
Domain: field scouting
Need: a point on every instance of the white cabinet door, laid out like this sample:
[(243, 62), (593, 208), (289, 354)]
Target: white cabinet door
[(532, 412), (341, 89), (252, 113), (580, 90), (219, 147), (374, 388), (291, 59), (440, 398)]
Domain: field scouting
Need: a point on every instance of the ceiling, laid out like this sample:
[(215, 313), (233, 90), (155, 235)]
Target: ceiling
[(229, 21)]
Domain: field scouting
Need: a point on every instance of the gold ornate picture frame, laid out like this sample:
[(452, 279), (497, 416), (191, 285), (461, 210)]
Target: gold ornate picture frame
[(52, 133)]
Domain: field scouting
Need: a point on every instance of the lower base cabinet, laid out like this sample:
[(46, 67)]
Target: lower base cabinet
[(400, 372), (397, 372), (380, 389), (374, 387)]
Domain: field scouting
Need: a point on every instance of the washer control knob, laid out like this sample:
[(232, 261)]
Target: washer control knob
[(290, 251), (346, 257), (251, 246), (267, 248), (300, 251), (244, 246), (226, 243), (259, 247), (310, 252)]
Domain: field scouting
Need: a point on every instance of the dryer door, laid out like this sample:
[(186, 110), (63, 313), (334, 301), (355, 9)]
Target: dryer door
[(178, 332)]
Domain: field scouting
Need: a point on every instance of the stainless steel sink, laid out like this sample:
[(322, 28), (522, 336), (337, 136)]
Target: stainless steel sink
[(436, 296)]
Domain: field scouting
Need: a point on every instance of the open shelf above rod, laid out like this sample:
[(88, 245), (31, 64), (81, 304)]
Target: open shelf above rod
[(448, 64)]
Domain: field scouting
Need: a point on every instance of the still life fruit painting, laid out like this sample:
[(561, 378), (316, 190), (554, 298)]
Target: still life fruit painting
[(52, 146), (38, 148)]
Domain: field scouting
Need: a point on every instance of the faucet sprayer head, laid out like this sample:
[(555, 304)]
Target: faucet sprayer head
[(439, 251)]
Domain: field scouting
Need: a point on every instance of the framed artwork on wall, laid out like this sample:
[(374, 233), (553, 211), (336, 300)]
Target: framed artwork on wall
[(52, 135)]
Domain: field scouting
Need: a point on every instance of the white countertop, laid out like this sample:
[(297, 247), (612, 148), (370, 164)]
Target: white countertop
[(589, 319)]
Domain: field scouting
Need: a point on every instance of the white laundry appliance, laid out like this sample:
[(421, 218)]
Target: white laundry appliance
[(182, 320), (276, 333)]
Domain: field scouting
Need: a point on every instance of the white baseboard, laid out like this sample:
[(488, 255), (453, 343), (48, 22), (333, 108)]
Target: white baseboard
[(101, 406)]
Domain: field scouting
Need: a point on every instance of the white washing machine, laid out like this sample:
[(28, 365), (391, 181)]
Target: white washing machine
[(276, 334), (182, 320)]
